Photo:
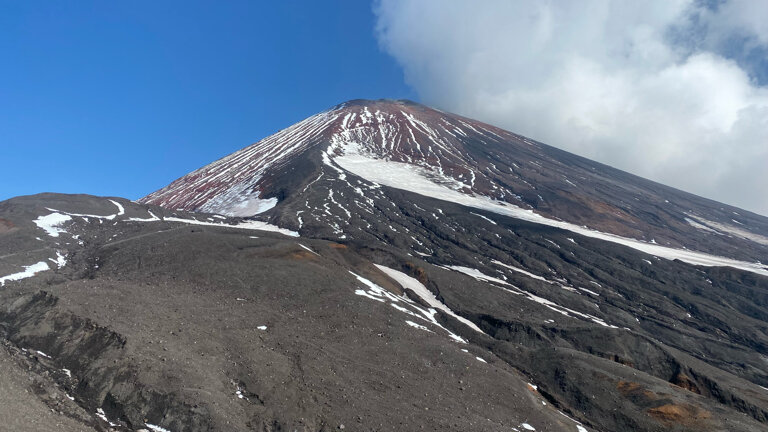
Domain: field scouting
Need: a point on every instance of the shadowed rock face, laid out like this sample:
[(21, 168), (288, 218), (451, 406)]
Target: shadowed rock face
[(189, 320)]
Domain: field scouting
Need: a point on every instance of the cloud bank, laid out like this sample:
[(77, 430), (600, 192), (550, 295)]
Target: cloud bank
[(672, 90)]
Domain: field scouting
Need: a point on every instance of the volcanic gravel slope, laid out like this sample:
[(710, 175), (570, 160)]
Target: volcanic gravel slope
[(392, 278), (208, 327)]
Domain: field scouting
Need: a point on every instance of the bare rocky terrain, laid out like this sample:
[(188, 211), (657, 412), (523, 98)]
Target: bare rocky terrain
[(353, 302)]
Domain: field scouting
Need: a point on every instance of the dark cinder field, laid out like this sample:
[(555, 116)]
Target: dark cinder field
[(200, 327)]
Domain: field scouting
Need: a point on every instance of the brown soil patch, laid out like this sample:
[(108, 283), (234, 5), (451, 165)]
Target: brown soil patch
[(627, 387), (417, 272), (682, 380), (6, 226), (338, 246), (302, 255), (679, 413), (633, 389), (668, 412)]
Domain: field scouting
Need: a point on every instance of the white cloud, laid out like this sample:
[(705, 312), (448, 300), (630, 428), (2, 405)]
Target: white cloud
[(648, 87)]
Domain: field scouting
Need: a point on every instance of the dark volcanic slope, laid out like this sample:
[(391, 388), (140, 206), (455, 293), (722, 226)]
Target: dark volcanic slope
[(204, 327), (190, 323), (473, 158), (400, 292)]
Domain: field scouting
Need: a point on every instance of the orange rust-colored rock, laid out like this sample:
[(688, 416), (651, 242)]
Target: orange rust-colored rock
[(683, 414), (682, 380)]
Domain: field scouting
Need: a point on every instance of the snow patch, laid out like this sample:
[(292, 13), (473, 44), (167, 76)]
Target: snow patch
[(43, 354), (403, 304), (307, 248), (418, 326), (100, 413), (589, 291), (479, 215), (250, 225), (28, 272), (152, 218), (477, 274), (52, 223), (414, 285), (251, 206), (720, 228), (120, 209), (519, 270), (60, 260)]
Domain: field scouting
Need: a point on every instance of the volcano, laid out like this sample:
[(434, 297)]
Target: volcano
[(386, 266)]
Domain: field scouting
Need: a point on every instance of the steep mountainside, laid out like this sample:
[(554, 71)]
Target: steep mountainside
[(413, 147), (386, 266)]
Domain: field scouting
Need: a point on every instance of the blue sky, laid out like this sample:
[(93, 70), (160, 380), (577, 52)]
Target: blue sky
[(120, 98)]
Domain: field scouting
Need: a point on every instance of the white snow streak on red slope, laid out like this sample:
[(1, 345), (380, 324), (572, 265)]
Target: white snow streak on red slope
[(232, 185), (229, 185)]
